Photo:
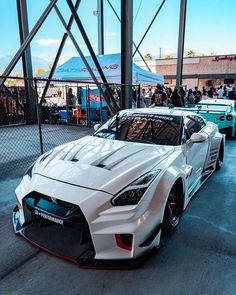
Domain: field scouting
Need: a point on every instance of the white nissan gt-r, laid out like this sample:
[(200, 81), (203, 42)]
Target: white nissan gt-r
[(105, 199)]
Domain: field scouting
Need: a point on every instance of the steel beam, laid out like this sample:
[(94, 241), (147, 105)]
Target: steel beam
[(100, 27), (58, 55), (140, 54), (149, 27), (110, 107), (126, 53), (182, 20), (92, 53), (27, 41), (31, 112)]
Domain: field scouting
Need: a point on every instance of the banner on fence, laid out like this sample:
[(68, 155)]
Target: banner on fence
[(92, 96)]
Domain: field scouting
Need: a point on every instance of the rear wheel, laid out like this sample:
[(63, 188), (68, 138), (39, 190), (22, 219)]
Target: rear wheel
[(173, 209)]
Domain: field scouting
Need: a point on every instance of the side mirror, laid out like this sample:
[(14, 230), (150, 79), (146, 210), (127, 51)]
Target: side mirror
[(96, 127), (198, 138)]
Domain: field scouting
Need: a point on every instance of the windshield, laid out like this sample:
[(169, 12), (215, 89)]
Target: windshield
[(144, 128)]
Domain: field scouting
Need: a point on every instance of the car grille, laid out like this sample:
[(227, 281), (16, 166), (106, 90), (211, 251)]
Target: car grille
[(71, 214)]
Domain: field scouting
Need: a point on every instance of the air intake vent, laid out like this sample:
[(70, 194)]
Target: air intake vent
[(100, 165)]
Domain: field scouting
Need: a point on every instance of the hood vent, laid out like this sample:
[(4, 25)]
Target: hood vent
[(75, 160), (100, 165)]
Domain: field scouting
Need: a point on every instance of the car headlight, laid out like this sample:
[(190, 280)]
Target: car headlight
[(33, 167), (133, 193)]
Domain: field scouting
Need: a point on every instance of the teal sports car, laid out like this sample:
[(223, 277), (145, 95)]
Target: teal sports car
[(220, 111)]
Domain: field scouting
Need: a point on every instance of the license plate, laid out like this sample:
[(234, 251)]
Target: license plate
[(48, 217)]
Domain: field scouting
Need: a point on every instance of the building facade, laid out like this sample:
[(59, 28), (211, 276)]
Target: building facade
[(197, 71)]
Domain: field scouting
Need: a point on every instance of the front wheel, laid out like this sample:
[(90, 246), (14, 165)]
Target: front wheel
[(173, 209)]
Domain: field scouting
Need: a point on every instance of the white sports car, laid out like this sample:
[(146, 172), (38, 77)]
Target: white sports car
[(104, 200)]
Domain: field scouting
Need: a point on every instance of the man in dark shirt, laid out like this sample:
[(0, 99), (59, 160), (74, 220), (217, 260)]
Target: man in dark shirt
[(159, 97), (210, 92), (197, 94)]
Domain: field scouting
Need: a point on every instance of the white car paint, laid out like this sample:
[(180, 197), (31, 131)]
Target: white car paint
[(91, 171)]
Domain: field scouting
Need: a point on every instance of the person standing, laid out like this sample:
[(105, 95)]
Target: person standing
[(224, 92), (220, 92), (204, 90), (175, 99), (232, 94), (71, 99), (159, 97), (210, 92), (142, 98), (228, 89), (197, 94), (190, 97), (148, 97), (182, 94)]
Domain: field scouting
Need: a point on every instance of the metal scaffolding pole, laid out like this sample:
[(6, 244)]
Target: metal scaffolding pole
[(62, 44), (31, 112), (182, 20), (126, 53), (110, 107), (27, 41), (140, 54), (100, 28), (149, 27), (92, 53)]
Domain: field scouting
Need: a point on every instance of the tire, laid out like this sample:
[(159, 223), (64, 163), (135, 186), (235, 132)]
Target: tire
[(173, 209), (220, 157)]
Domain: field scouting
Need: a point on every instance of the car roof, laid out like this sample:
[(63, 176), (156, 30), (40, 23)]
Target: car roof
[(165, 111)]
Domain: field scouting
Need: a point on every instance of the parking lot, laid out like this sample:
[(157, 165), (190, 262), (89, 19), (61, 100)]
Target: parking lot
[(198, 258)]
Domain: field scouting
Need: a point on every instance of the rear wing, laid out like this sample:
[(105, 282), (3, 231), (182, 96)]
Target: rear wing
[(200, 108)]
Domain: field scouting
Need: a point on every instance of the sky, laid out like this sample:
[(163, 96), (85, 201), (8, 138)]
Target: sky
[(210, 28)]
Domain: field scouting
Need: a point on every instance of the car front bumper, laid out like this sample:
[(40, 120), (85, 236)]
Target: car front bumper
[(93, 241)]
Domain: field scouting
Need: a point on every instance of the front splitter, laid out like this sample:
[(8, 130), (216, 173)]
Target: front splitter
[(86, 253)]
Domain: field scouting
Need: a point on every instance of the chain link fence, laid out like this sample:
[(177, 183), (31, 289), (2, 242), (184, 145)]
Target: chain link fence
[(67, 112)]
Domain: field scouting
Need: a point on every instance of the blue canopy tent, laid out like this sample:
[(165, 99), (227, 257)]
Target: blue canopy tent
[(74, 69)]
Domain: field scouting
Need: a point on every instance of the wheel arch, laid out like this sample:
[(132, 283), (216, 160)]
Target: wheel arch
[(172, 176)]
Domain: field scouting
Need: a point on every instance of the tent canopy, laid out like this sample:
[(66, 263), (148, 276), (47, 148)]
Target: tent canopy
[(74, 69)]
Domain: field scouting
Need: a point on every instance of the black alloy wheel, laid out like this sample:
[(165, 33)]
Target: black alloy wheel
[(173, 209)]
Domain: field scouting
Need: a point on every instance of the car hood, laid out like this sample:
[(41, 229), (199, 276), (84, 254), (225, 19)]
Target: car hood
[(102, 164)]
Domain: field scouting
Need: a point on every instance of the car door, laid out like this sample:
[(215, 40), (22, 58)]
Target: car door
[(196, 153)]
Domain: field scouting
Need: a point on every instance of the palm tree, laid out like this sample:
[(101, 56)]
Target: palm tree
[(168, 56), (148, 56), (191, 53)]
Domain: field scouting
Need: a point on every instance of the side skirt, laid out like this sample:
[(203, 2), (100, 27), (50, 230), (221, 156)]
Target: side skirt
[(199, 183)]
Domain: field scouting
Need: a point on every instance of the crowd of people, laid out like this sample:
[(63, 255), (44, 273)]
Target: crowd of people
[(165, 96)]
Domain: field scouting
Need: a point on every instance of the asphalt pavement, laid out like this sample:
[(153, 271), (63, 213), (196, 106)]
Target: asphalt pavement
[(198, 258)]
